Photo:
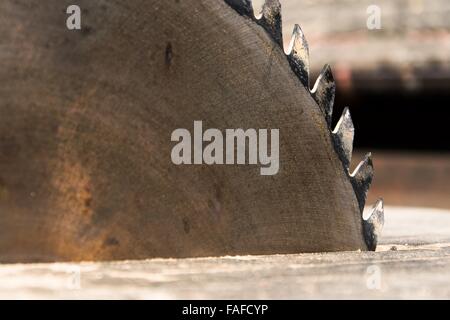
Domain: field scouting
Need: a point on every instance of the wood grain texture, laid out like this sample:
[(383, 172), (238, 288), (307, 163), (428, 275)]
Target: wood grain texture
[(412, 262), (85, 124)]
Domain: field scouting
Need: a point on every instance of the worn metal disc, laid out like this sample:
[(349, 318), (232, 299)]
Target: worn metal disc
[(85, 136)]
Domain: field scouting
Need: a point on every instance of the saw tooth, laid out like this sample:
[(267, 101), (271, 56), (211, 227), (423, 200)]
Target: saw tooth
[(343, 135), (270, 20), (361, 179), (243, 7), (324, 92), (374, 225), (298, 55)]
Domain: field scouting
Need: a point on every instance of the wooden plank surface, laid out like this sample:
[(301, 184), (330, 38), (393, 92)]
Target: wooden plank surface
[(413, 261)]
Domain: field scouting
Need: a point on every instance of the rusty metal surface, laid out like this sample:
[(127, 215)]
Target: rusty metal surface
[(85, 125)]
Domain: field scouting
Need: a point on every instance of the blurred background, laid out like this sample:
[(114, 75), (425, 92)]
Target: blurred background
[(396, 82)]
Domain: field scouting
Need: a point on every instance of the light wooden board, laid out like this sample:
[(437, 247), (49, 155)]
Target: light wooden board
[(418, 267)]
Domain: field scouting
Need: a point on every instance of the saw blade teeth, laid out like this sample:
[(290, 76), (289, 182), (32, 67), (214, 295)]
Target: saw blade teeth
[(324, 91), (343, 135), (374, 225), (270, 20), (361, 179), (243, 7), (298, 53)]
